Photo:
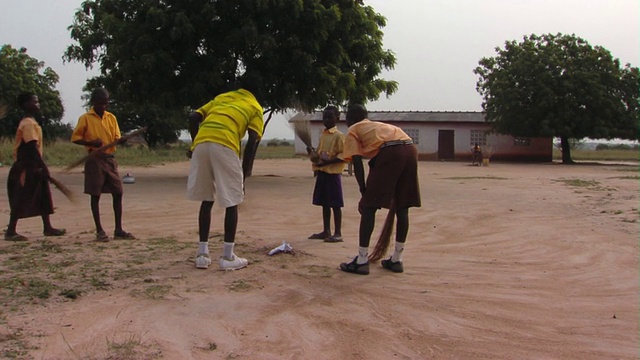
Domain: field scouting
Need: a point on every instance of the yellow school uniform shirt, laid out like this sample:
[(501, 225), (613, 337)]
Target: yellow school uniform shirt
[(227, 118), (91, 127), (28, 130), (365, 138), (331, 146)]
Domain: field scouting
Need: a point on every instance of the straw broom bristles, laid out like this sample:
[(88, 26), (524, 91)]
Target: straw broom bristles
[(303, 131), (63, 189), (382, 245), (102, 148)]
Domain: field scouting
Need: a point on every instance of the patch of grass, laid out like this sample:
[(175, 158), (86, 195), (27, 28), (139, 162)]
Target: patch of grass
[(131, 347), (62, 153), (240, 285), (31, 288), (630, 177), (579, 182), (602, 155), (157, 291)]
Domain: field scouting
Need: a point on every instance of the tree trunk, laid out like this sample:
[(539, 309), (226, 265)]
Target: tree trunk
[(253, 156), (566, 150)]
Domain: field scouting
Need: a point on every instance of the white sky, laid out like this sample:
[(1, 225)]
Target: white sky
[(437, 43)]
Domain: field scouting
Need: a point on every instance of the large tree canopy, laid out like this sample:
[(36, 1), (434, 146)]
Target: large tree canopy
[(161, 58), (20, 73), (560, 86)]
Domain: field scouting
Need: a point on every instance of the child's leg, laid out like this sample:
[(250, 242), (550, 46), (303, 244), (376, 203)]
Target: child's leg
[(402, 229), (13, 223), (337, 220), (117, 212), (204, 224), (204, 221), (50, 230), (95, 211), (326, 220), (230, 226), (367, 223)]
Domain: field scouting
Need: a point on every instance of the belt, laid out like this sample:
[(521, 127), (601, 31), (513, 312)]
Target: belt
[(396, 142)]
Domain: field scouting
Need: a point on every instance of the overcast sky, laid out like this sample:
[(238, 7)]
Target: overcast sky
[(437, 43)]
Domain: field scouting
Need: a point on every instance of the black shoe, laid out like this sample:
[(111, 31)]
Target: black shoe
[(355, 268), (393, 266)]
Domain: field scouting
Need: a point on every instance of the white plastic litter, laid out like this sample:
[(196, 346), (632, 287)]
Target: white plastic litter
[(128, 179), (285, 247)]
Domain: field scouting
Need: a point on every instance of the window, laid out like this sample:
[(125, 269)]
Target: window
[(414, 134), (478, 137), (521, 141)]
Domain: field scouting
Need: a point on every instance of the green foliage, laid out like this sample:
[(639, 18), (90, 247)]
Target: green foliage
[(20, 73), (278, 142), (159, 60), (559, 86)]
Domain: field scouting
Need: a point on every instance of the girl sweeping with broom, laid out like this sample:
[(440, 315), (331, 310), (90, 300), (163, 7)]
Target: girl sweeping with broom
[(392, 183), (28, 181)]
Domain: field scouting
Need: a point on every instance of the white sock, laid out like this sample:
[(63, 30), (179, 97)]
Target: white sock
[(363, 253), (397, 254), (227, 250), (203, 247)]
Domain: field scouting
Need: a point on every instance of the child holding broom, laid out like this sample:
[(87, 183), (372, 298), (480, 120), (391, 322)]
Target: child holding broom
[(392, 183), (328, 168), (28, 181), (96, 128), (216, 172)]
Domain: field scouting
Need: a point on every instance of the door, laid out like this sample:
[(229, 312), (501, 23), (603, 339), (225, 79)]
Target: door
[(445, 145)]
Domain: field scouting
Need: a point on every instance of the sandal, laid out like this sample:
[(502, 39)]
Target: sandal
[(55, 232), (101, 236), (355, 268), (123, 236), (318, 236), (15, 237), (333, 239)]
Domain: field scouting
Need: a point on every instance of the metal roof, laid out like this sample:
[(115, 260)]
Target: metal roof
[(404, 116)]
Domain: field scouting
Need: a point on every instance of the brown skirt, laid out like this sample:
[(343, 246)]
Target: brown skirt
[(393, 175), (28, 191), (101, 175)]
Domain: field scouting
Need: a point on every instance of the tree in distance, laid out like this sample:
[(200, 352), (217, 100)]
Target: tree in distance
[(559, 86), (161, 60), (21, 73)]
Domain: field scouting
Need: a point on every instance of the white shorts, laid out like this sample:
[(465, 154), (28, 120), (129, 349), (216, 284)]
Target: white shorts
[(215, 174)]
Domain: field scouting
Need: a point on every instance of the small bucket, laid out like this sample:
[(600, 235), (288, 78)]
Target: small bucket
[(485, 162)]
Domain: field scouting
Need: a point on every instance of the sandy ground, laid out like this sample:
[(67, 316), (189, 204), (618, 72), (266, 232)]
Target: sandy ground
[(509, 261)]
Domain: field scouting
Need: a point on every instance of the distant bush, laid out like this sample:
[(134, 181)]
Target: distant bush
[(278, 142), (600, 147)]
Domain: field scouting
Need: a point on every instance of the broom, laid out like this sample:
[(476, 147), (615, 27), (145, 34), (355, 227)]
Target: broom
[(63, 189), (103, 148), (382, 245), (303, 131)]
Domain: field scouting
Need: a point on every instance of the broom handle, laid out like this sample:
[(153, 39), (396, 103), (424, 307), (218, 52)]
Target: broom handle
[(104, 147)]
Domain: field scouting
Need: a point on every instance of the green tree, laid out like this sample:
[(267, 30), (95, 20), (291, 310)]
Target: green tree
[(559, 86), (160, 59), (20, 73)]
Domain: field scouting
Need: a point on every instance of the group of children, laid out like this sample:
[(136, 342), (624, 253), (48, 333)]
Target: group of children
[(217, 173), (392, 181), (28, 181)]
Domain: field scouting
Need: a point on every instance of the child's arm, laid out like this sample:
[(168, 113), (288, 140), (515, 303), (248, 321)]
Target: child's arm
[(358, 170)]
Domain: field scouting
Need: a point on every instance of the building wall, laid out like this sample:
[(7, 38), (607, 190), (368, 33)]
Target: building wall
[(502, 147)]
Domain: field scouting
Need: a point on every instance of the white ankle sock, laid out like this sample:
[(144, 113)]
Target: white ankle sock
[(203, 248), (397, 254), (363, 253), (227, 250)]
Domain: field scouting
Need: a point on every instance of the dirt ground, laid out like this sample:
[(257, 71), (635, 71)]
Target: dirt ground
[(510, 261)]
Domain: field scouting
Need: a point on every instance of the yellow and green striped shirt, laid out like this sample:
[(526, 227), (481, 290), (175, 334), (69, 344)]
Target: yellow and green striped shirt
[(227, 118)]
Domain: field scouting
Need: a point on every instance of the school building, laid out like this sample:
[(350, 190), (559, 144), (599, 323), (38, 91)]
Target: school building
[(445, 135)]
